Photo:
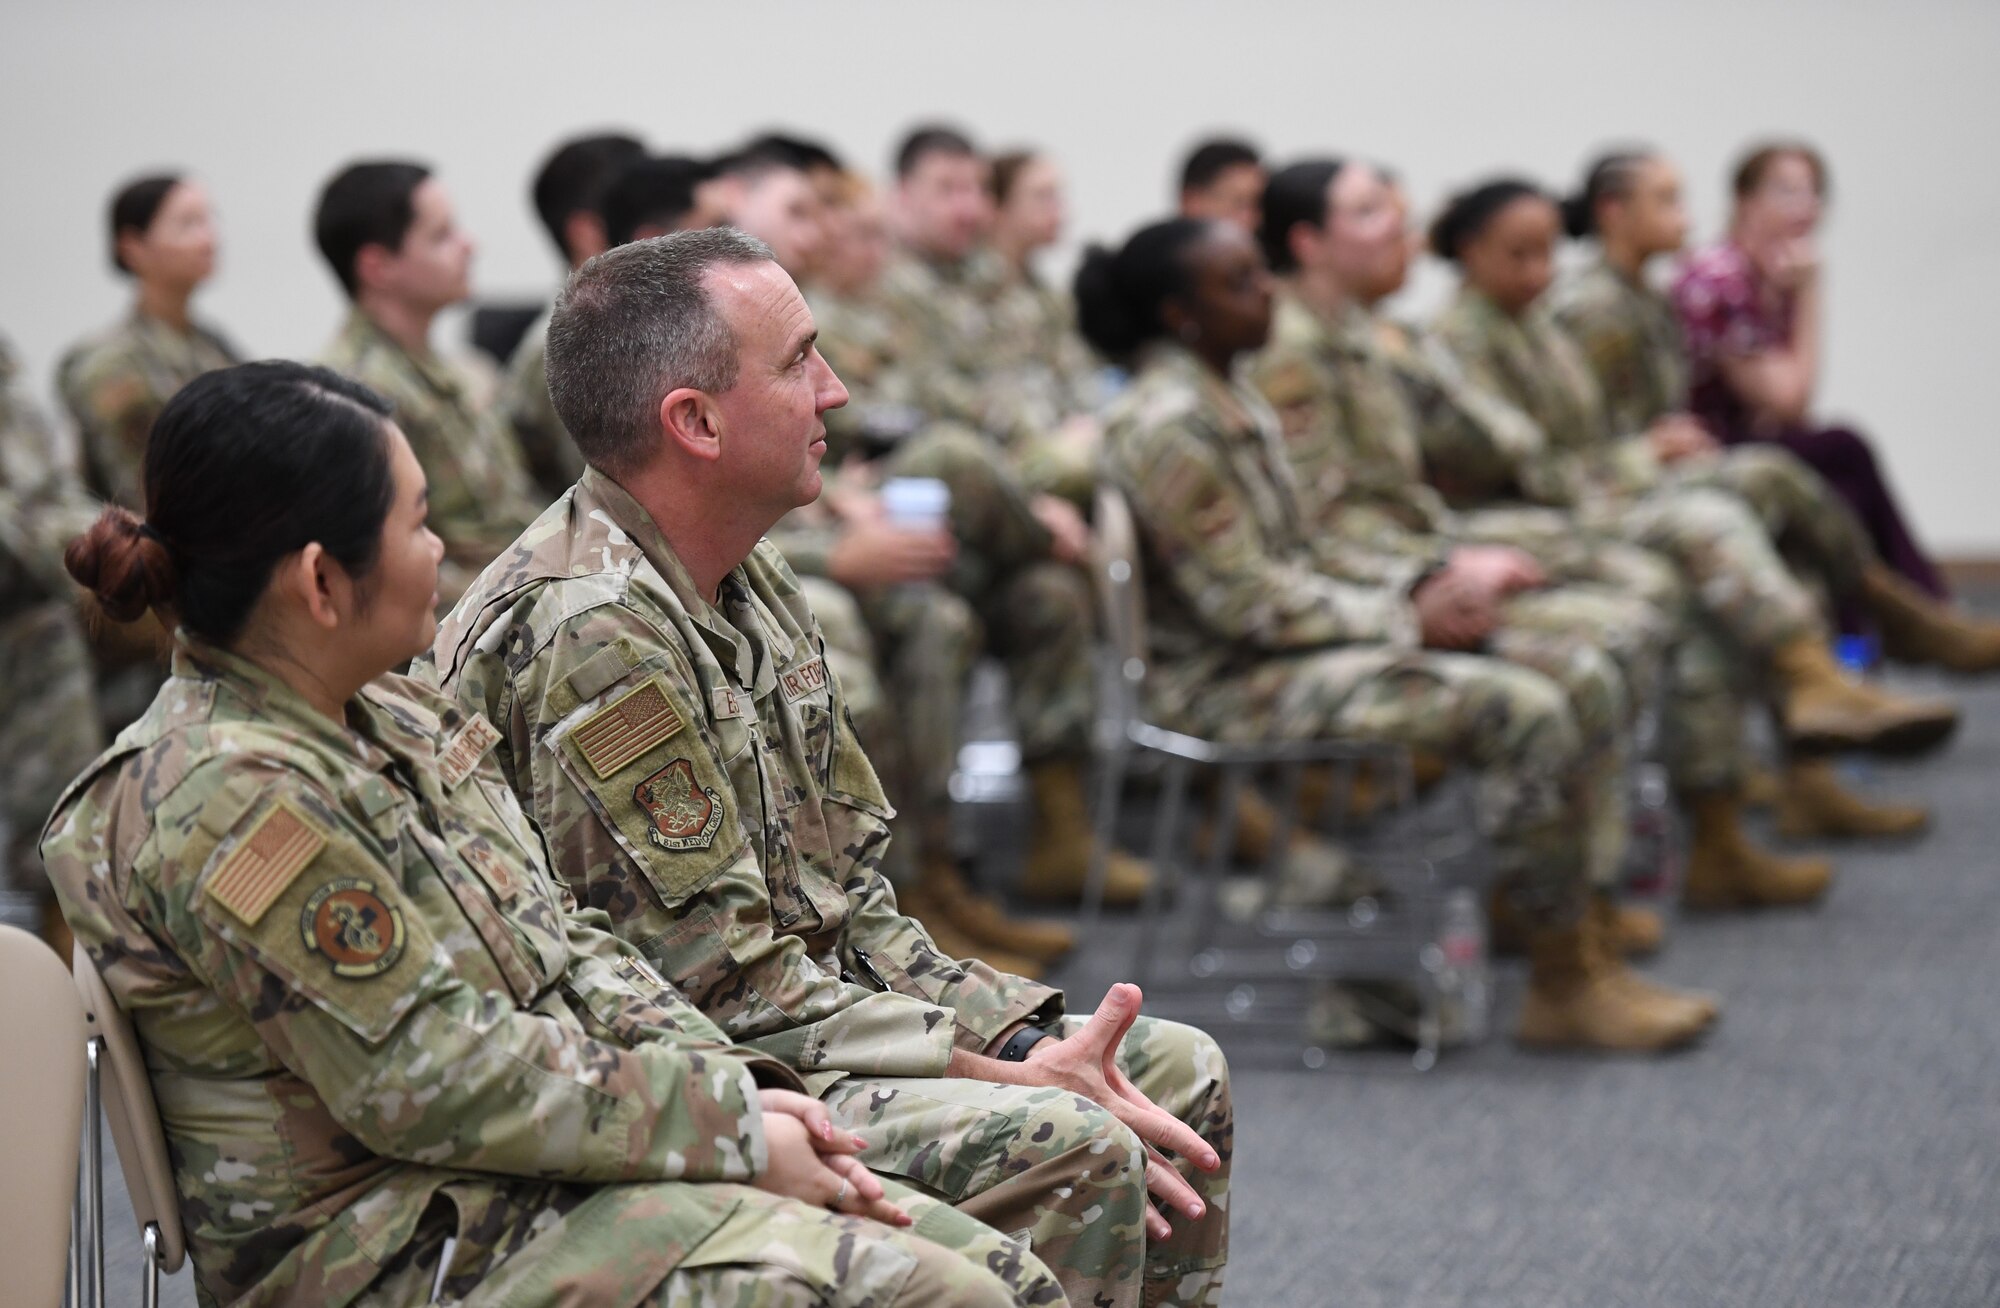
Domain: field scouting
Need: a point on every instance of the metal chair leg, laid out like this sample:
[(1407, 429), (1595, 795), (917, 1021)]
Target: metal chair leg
[(93, 1173), (150, 1290), (1173, 803), (74, 1298), (1110, 794)]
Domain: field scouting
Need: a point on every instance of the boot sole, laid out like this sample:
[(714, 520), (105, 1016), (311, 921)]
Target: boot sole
[(1810, 831), (1903, 740)]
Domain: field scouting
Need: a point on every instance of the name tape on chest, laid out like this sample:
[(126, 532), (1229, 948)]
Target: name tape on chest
[(626, 728), (808, 678), (470, 745), (269, 858), (725, 703)]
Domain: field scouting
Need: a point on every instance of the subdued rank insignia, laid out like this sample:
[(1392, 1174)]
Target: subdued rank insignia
[(805, 679), (351, 926), (269, 858), (462, 755), (626, 728), (682, 813)]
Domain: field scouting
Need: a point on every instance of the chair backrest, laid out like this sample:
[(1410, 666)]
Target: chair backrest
[(135, 1120), (42, 1036), (1121, 594)]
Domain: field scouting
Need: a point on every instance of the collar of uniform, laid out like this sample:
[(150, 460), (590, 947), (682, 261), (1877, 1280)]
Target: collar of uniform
[(1219, 396), (730, 645), (267, 695), (432, 372)]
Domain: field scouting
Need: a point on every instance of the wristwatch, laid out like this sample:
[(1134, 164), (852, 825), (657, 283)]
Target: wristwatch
[(1017, 1046)]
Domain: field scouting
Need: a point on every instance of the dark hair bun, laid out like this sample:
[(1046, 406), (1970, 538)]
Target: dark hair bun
[(124, 564), (1103, 316)]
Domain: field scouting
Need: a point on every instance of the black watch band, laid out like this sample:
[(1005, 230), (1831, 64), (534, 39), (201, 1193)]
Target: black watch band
[(1017, 1046)]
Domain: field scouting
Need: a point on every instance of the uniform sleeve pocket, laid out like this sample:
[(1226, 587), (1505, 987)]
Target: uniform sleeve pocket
[(634, 757)]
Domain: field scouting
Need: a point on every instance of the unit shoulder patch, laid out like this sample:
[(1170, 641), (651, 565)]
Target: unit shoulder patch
[(358, 933), (681, 813), (268, 859), (627, 727)]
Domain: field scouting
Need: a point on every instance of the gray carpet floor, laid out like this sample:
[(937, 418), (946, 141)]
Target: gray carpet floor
[(1836, 1141)]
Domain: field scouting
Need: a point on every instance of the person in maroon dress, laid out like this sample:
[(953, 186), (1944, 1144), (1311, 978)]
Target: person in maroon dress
[(1750, 308)]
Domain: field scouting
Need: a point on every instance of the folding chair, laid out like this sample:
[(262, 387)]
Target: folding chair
[(1289, 948), (125, 1098), (42, 1085)]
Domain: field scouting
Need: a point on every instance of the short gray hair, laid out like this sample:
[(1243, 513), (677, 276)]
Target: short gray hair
[(633, 325)]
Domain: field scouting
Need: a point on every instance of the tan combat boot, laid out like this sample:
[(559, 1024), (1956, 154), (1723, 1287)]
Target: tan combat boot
[(955, 943), (983, 920), (1725, 870), (1627, 930), (1256, 829), (1059, 855), (1826, 711), (1918, 629), (1580, 997), (1762, 787), (1814, 805)]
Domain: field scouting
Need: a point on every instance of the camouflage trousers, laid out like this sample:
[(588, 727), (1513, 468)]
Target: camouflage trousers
[(1511, 726), (1605, 649), (1063, 1172), (1811, 524), (49, 730), (704, 1245), (1702, 558), (1036, 613)]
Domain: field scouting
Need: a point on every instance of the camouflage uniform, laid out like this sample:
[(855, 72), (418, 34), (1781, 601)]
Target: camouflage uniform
[(1254, 637), (1531, 438), (999, 354), (480, 495), (375, 1022), (48, 712), (1353, 452), (1629, 338), (116, 382), (696, 774), (550, 455)]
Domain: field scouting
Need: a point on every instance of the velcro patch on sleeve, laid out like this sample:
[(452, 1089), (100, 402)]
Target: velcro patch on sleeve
[(626, 728), (465, 750), (808, 678), (267, 860)]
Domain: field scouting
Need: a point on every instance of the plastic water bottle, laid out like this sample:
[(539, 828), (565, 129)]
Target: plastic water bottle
[(1859, 655), (1466, 974)]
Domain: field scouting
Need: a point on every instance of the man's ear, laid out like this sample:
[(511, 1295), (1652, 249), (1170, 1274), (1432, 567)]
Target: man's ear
[(583, 235), (691, 423), (371, 266)]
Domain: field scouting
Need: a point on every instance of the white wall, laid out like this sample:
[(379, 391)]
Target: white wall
[(265, 100)]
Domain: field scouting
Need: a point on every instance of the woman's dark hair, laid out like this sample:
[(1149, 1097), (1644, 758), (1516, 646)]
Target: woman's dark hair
[(1119, 294), (135, 206), (1295, 194), (366, 204), (1611, 175), (244, 466), (1757, 162), (1006, 170), (1468, 213)]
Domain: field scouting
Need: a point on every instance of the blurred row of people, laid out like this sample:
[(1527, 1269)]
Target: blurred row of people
[(1502, 539)]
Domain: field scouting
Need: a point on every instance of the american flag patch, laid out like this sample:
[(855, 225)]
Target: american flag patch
[(626, 728), (462, 755), (269, 858)]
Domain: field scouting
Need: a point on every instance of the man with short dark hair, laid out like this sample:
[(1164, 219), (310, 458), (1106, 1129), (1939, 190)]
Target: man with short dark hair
[(669, 720), (1223, 179), (566, 192), (388, 231)]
